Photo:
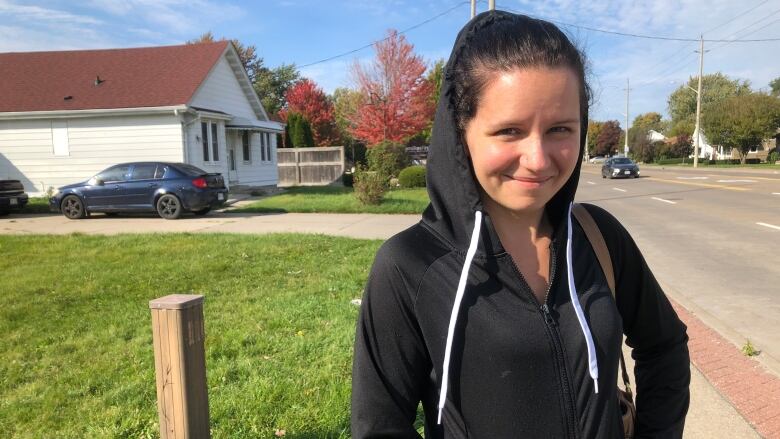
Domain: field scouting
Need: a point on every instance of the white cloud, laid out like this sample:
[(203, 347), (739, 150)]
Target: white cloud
[(14, 12)]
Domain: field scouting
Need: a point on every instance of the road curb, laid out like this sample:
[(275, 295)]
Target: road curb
[(741, 380)]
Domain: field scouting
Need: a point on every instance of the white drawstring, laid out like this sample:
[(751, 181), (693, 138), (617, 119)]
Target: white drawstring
[(464, 274), (593, 365)]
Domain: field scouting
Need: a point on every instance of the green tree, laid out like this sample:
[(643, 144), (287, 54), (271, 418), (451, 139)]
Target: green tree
[(247, 54), (434, 77), (640, 146), (271, 85), (716, 87), (594, 128), (299, 131), (775, 85), (742, 121)]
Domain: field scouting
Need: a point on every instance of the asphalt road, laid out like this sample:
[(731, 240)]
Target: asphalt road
[(712, 238)]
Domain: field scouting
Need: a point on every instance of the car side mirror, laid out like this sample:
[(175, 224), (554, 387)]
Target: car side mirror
[(99, 182)]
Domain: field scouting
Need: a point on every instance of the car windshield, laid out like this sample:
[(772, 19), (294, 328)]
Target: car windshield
[(621, 161), (189, 170)]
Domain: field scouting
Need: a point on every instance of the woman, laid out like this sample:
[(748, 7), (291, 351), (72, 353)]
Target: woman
[(470, 312)]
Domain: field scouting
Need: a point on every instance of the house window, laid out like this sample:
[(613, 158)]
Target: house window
[(214, 143), (268, 147), (262, 146), (204, 136), (245, 144)]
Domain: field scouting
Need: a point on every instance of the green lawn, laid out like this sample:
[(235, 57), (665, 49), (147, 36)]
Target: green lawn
[(76, 356), (338, 200)]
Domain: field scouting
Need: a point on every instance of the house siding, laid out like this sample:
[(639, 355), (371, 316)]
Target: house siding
[(221, 91), (27, 147)]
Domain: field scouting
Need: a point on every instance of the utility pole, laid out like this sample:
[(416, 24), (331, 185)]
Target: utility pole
[(492, 5), (473, 8), (698, 106), (625, 145)]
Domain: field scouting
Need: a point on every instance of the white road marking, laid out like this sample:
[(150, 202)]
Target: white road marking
[(665, 201), (692, 178), (769, 225), (775, 193), (590, 182), (736, 181), (618, 189)]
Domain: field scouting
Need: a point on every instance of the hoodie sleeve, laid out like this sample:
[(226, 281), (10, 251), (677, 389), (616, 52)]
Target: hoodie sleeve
[(390, 363), (654, 332)]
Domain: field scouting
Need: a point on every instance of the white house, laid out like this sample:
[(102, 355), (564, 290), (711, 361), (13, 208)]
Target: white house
[(64, 116), (655, 136)]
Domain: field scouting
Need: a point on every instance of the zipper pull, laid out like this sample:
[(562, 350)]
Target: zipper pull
[(547, 316)]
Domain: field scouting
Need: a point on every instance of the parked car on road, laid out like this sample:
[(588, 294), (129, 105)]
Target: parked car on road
[(619, 167), (12, 196), (169, 189)]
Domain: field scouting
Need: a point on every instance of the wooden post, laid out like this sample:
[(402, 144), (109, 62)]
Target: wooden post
[(180, 366)]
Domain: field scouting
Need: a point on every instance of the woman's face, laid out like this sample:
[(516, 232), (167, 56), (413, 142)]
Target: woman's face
[(525, 136)]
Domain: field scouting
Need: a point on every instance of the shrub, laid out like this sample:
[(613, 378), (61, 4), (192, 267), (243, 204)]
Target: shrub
[(413, 176), (298, 131), (387, 158), (370, 186), (774, 156)]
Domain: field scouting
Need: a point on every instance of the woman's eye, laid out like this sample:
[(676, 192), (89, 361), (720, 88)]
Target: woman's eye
[(508, 132), (560, 130)]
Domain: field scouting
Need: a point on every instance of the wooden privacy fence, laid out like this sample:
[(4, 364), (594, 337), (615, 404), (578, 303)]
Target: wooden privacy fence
[(318, 166), (180, 366)]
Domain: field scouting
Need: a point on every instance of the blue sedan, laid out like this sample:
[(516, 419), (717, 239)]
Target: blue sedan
[(169, 189)]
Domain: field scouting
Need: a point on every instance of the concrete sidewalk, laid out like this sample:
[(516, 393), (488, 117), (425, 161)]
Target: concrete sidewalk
[(712, 413)]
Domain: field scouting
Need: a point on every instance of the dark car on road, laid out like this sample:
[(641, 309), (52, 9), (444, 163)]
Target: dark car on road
[(12, 196), (617, 167), (169, 189)]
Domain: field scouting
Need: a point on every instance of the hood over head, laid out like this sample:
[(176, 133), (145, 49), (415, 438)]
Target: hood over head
[(452, 187)]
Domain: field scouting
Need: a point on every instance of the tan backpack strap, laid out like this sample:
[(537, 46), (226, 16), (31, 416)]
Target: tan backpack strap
[(596, 240)]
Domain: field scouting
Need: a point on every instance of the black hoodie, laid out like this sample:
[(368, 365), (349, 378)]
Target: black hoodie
[(517, 369)]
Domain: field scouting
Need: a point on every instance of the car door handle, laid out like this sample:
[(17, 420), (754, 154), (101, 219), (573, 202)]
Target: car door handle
[(117, 187), (154, 185)]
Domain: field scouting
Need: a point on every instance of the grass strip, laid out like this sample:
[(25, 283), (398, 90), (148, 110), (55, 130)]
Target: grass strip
[(330, 199)]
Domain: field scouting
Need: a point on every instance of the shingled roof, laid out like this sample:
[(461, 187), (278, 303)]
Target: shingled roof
[(105, 79)]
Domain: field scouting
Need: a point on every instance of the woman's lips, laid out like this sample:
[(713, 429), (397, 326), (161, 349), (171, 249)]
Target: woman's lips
[(530, 182)]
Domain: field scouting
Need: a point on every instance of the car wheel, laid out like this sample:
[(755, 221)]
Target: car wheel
[(169, 207), (203, 211), (73, 208)]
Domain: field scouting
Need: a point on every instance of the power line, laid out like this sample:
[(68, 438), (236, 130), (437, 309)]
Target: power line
[(386, 38), (649, 37), (686, 52)]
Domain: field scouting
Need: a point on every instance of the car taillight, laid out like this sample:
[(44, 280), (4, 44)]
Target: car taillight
[(200, 183)]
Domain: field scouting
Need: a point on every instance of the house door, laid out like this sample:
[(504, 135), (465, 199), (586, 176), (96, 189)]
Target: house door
[(232, 174)]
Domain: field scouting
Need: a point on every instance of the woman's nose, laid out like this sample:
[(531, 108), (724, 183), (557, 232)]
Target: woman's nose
[(534, 157)]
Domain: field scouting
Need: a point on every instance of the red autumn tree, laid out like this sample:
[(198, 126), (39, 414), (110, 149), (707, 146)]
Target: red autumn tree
[(309, 100), (395, 96)]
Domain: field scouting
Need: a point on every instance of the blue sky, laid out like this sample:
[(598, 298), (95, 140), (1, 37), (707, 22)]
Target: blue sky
[(306, 31)]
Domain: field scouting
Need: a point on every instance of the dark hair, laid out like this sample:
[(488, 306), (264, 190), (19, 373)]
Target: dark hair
[(505, 42)]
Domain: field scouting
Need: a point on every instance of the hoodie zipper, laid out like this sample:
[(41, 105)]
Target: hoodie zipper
[(570, 412)]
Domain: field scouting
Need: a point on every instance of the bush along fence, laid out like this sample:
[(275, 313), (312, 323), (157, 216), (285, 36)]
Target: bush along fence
[(180, 366), (318, 166)]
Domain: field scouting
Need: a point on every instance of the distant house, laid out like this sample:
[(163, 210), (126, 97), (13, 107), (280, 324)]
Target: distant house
[(64, 116), (655, 136)]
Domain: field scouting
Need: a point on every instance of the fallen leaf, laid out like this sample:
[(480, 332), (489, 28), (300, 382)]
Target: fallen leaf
[(279, 433)]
